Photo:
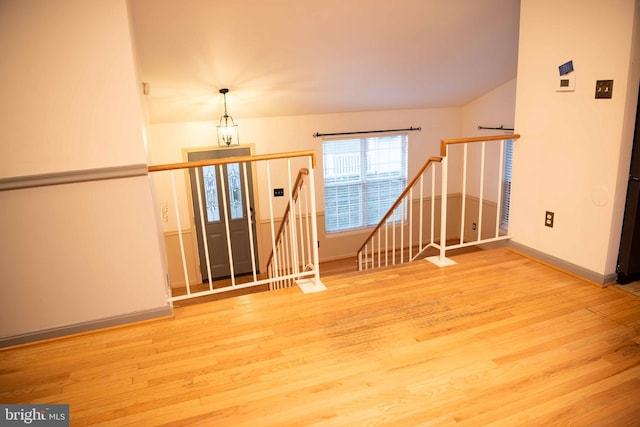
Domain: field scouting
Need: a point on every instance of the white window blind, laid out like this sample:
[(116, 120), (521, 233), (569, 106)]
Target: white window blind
[(362, 179), (506, 184)]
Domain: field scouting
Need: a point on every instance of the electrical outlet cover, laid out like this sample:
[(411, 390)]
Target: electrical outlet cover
[(548, 219)]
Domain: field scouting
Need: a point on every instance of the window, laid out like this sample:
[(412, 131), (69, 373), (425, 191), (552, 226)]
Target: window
[(211, 193), (362, 179), (506, 184)]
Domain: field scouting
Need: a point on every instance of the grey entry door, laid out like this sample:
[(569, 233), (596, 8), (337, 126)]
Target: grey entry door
[(215, 221)]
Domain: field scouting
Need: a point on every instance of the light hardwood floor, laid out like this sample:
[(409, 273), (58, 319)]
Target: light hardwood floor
[(498, 339)]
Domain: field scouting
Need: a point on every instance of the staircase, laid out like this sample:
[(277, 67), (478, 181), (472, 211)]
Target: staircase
[(470, 174), (294, 252)]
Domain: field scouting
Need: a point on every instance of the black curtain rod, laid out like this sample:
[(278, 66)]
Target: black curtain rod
[(317, 134), (500, 128)]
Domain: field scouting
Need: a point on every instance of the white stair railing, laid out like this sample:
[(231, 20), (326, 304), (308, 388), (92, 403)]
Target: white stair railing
[(292, 243), (407, 229), (299, 248), (410, 226), (484, 198)]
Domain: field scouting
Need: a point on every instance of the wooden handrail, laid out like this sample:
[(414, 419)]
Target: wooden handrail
[(238, 159), (294, 196), (445, 142), (399, 199)]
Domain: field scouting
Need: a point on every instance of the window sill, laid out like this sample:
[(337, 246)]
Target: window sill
[(347, 233)]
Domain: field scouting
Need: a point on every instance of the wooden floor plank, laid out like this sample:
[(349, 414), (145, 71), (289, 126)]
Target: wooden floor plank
[(497, 339)]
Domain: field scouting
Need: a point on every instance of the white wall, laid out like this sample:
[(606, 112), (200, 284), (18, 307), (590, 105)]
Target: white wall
[(78, 253), (61, 64), (494, 109), (73, 254), (293, 133), (574, 151)]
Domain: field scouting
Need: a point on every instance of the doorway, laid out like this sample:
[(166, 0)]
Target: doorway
[(217, 184)]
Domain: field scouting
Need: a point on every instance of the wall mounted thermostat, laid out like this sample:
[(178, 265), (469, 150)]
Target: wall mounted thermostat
[(567, 80), (566, 83), (566, 68)]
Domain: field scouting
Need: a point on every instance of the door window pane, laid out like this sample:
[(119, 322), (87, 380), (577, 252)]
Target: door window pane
[(211, 193), (235, 191)]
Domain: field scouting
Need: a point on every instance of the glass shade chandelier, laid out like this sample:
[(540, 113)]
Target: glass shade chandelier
[(227, 129)]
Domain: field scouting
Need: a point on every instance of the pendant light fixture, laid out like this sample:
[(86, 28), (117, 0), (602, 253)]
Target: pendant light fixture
[(227, 129)]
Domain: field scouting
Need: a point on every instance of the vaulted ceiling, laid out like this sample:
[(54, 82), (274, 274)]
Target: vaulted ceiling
[(290, 57)]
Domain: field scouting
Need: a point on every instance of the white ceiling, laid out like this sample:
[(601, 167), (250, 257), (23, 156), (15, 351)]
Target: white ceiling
[(289, 57)]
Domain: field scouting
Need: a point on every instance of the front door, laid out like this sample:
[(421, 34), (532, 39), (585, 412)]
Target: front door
[(213, 180)]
